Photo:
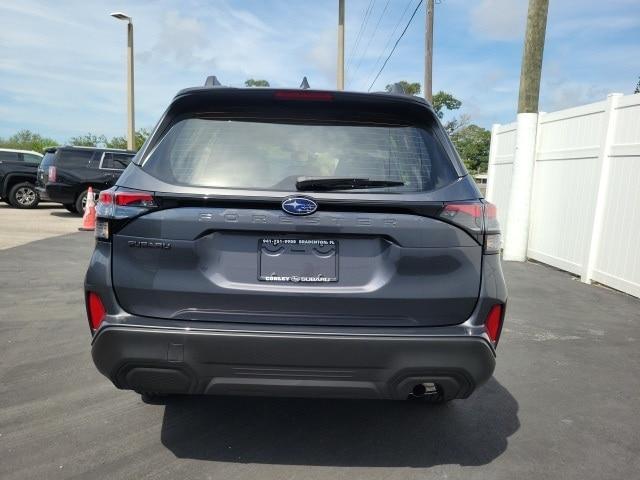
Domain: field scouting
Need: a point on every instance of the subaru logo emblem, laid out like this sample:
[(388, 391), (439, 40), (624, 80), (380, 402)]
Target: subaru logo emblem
[(299, 206)]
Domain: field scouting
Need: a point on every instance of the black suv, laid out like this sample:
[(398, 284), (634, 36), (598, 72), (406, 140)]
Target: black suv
[(67, 172), (18, 177)]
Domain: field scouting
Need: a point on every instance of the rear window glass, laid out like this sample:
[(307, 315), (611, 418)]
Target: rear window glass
[(115, 161), (47, 160), (264, 155), (74, 158), (31, 158), (10, 156)]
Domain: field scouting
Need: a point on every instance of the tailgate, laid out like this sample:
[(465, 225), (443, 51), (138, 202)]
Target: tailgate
[(334, 268)]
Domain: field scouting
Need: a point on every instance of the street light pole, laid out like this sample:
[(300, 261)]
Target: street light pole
[(131, 129), (340, 44)]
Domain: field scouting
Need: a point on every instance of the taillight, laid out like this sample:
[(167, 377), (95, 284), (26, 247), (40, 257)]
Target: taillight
[(115, 204), (479, 219), (492, 236), (52, 174), (303, 95), (493, 323), (95, 310), (466, 215)]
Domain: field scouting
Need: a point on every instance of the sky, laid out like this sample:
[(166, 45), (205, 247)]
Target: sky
[(63, 70)]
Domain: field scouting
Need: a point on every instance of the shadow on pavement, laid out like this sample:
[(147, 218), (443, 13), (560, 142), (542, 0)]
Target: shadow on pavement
[(65, 214), (341, 432)]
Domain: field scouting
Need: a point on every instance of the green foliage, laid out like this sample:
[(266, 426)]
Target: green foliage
[(121, 142), (472, 143), (92, 140), (27, 140), (256, 83), (445, 101), (88, 140), (406, 87)]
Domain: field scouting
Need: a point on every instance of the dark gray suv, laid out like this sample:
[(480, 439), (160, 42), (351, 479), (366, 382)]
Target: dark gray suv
[(296, 243)]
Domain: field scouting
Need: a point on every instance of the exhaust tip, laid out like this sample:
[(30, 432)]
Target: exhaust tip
[(425, 390)]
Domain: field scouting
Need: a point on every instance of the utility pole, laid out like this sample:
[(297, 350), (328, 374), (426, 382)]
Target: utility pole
[(532, 56), (340, 44), (517, 227), (428, 52), (131, 129)]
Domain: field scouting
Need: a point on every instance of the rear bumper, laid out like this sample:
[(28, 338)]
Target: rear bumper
[(245, 362), (59, 193), (42, 193)]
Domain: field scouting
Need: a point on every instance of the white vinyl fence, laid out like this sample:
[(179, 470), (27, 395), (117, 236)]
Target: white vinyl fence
[(585, 207)]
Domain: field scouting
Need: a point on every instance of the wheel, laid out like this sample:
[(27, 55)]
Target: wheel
[(71, 207), (24, 195), (81, 201)]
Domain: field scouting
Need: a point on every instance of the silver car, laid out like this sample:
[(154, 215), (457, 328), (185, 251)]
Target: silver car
[(296, 243)]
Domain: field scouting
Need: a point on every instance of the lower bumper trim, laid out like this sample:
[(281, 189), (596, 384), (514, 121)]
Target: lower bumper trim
[(286, 364)]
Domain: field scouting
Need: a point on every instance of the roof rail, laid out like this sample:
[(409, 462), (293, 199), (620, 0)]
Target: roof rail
[(212, 81), (305, 84)]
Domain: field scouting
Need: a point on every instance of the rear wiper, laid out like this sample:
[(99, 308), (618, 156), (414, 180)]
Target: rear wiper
[(342, 183)]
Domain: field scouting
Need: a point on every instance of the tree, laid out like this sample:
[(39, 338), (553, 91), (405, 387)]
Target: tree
[(88, 140), (121, 142), (406, 87), (472, 143), (445, 101), (637, 90), (256, 83), (28, 140)]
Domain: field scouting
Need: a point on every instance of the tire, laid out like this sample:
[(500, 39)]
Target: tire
[(71, 207), (23, 195), (82, 200)]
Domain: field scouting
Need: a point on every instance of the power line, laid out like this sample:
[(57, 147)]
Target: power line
[(395, 45), (363, 26), (388, 42), (375, 30)]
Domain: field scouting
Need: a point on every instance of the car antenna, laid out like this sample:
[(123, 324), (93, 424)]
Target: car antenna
[(212, 81), (305, 84)]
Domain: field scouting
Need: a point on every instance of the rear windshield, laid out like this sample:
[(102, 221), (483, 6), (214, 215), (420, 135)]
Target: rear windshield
[(251, 154), (47, 160)]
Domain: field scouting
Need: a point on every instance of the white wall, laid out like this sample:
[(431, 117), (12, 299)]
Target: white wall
[(585, 209), (501, 155)]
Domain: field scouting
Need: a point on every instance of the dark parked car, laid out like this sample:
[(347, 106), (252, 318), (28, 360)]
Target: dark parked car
[(18, 177), (297, 243), (67, 172)]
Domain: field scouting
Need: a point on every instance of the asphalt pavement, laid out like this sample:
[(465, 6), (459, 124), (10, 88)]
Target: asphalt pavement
[(564, 402)]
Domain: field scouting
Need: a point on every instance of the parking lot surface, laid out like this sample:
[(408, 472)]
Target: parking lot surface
[(564, 401)]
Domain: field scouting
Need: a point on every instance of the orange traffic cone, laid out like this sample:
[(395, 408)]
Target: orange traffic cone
[(89, 217)]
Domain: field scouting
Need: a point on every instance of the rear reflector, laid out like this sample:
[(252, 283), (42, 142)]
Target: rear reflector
[(493, 324), (95, 310), (303, 95)]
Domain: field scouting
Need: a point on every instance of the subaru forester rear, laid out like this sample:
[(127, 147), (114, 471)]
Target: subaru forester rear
[(296, 243)]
